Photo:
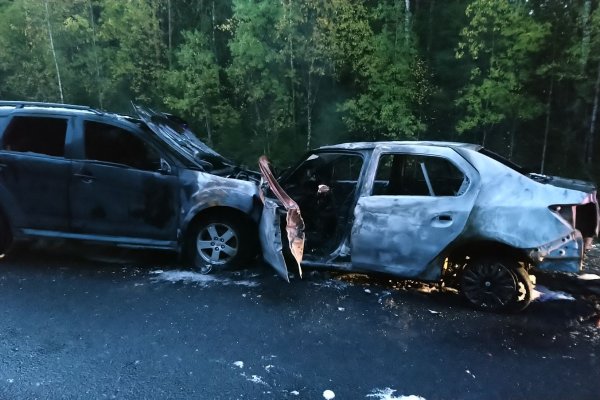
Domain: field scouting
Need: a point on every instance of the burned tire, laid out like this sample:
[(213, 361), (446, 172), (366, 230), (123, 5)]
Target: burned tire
[(220, 241), (525, 288), (496, 284)]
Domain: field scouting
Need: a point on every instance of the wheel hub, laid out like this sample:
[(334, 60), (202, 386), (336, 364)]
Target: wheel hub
[(217, 243), (489, 285)]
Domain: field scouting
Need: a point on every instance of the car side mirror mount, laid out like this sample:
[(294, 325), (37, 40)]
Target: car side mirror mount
[(165, 167)]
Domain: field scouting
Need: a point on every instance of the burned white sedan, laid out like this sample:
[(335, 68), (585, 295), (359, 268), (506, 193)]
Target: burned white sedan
[(416, 210)]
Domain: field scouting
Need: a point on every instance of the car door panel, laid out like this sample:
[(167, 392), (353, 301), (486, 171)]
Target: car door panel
[(404, 234), (270, 226), (34, 173), (115, 200), (39, 187)]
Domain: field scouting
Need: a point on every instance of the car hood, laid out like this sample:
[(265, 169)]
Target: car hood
[(177, 135)]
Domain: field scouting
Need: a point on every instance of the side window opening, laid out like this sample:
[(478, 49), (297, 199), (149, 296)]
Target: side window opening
[(413, 175), (40, 135), (108, 143)]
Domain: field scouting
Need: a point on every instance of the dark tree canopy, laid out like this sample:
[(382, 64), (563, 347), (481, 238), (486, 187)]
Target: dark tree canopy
[(278, 77)]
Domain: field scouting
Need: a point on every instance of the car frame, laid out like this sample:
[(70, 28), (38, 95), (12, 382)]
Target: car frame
[(142, 183), (498, 224)]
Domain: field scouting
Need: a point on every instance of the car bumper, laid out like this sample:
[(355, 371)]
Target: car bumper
[(562, 255)]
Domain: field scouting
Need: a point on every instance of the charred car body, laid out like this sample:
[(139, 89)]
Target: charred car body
[(423, 210), (414, 210), (75, 173)]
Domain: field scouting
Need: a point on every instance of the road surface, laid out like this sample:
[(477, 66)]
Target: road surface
[(72, 328)]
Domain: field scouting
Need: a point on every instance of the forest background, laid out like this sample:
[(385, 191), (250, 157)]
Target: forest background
[(278, 77)]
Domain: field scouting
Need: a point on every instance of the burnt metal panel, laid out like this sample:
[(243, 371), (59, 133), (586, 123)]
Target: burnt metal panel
[(108, 199), (34, 189), (294, 224), (404, 235), (201, 190), (269, 233), (514, 209)]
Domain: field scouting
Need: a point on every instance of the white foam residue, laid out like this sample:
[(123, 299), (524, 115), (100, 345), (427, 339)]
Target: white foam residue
[(197, 278), (328, 394), (239, 364), (388, 394), (588, 277), (268, 367), (256, 379), (542, 293), (332, 284)]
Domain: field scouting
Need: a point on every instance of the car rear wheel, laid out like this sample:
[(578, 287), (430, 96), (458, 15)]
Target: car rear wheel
[(219, 242), (496, 284)]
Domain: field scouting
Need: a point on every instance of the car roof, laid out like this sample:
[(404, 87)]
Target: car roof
[(399, 144), (17, 107)]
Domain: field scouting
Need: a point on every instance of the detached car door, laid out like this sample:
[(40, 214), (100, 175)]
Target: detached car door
[(34, 172), (416, 203), (122, 187)]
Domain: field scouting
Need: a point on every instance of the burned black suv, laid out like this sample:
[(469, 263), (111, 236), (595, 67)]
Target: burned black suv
[(75, 173)]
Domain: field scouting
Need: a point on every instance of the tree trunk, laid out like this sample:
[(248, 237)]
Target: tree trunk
[(214, 28), (587, 32), (590, 136), (547, 126), (96, 62), (430, 26), (513, 133), (309, 95), (209, 132), (60, 89), (407, 21), (170, 33), (292, 66)]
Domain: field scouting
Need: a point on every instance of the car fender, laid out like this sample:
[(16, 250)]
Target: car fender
[(514, 209), (202, 191)]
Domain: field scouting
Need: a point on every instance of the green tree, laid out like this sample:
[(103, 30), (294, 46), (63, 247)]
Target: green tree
[(256, 71), (392, 82), (133, 50), (500, 40), (193, 86), (27, 60)]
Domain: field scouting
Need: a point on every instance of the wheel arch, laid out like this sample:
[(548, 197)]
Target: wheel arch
[(486, 248), (211, 211)]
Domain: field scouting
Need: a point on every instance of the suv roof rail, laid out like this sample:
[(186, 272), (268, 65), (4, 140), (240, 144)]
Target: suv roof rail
[(22, 104)]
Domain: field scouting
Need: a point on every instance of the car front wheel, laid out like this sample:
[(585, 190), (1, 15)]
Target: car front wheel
[(496, 284), (219, 242)]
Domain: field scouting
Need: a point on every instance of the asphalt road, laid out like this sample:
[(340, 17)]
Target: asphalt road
[(78, 329)]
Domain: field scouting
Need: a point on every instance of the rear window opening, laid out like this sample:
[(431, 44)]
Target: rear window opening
[(40, 135)]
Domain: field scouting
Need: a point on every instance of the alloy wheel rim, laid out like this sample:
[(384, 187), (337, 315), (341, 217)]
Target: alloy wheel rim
[(490, 285), (217, 243)]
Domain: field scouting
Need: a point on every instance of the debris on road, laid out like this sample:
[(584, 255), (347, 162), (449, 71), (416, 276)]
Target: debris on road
[(388, 394)]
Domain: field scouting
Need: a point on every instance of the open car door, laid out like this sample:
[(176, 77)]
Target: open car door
[(271, 239)]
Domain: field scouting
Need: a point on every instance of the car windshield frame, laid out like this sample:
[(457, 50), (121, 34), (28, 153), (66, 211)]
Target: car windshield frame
[(178, 136)]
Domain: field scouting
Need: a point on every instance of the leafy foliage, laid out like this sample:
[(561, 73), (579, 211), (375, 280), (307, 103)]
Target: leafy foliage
[(278, 77)]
